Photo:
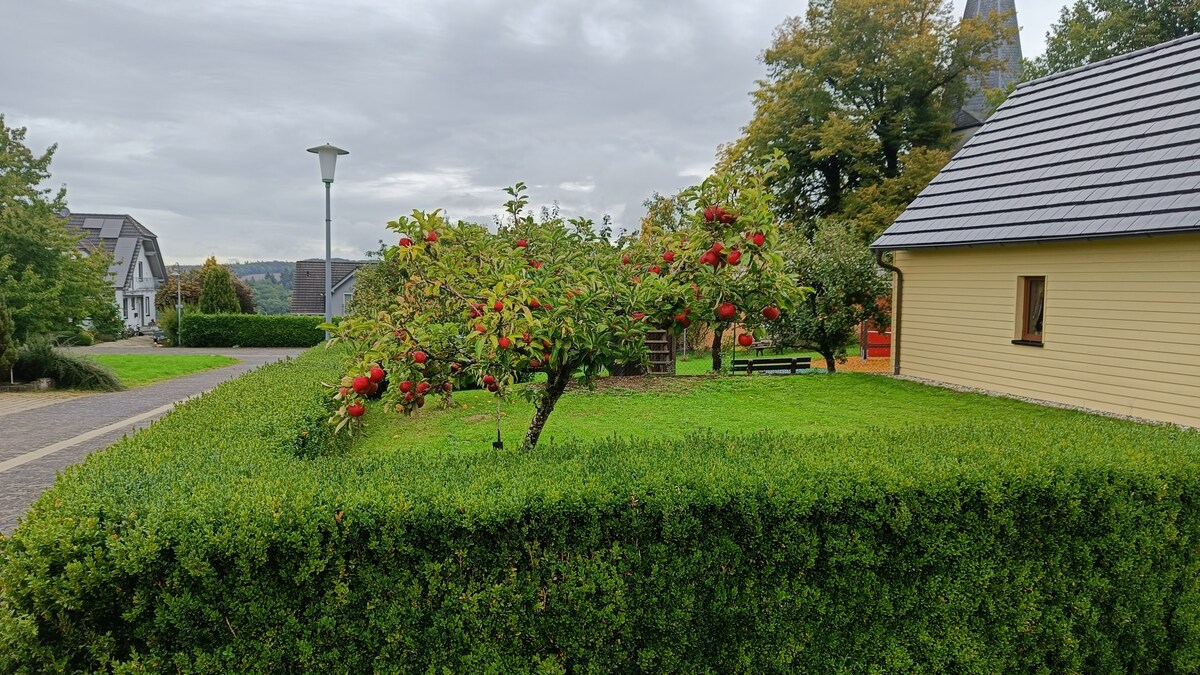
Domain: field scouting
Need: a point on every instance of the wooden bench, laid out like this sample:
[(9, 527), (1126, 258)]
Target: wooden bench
[(778, 365)]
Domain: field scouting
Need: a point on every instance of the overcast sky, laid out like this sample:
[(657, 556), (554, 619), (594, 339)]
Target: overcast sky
[(194, 116)]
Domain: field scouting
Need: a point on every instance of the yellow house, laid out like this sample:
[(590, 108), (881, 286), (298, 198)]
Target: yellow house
[(1057, 256)]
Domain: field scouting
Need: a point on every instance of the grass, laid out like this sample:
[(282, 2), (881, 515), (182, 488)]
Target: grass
[(675, 407), (136, 370)]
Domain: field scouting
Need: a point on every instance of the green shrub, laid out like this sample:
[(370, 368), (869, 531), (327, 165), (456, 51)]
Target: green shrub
[(205, 544), (251, 330), (39, 358), (84, 339)]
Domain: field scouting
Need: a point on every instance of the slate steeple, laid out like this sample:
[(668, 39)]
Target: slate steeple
[(975, 110)]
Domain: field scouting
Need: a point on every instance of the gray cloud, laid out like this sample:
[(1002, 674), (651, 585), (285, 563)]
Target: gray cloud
[(194, 117)]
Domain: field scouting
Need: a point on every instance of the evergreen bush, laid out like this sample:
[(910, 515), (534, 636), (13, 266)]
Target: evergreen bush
[(239, 535), (251, 330), (219, 296)]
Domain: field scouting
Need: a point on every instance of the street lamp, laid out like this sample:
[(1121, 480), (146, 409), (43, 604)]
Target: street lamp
[(178, 307), (328, 155)]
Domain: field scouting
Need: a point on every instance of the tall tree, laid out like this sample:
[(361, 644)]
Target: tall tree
[(218, 296), (853, 88), (8, 340), (1093, 30), (49, 281)]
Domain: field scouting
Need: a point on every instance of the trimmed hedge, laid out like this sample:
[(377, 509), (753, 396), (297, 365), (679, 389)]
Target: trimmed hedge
[(205, 544), (251, 330)]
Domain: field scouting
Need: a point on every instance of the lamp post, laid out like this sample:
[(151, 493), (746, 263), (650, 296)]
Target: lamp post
[(328, 155), (178, 307)]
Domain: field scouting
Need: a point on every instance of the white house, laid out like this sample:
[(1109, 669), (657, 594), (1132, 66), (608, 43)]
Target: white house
[(137, 270)]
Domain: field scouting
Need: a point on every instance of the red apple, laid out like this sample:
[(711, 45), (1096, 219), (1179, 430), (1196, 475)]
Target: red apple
[(522, 243), (710, 213), (422, 388), (654, 269), (356, 409), (535, 364), (534, 303), (447, 387), (419, 357), (408, 398), (406, 242), (745, 339), (479, 328), (770, 313), (361, 384), (526, 338), (489, 380), (733, 257), (547, 307), (499, 306), (373, 389), (505, 343), (431, 237), (406, 386), (536, 264), (726, 217), (669, 256), (376, 374), (717, 247), (637, 316), (455, 367), (726, 311), (625, 260), (758, 239), (344, 392)]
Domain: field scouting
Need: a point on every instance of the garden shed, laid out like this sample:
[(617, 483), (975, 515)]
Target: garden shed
[(1057, 256)]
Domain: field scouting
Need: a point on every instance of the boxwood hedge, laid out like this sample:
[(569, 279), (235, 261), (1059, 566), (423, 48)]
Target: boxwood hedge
[(216, 541), (251, 330)]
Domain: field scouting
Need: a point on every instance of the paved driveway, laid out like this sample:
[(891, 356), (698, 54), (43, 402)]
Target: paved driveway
[(36, 444)]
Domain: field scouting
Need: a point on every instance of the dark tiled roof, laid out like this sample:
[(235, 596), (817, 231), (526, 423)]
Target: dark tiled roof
[(122, 237), (1108, 150), (308, 292)]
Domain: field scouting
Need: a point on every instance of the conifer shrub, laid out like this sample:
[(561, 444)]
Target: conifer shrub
[(237, 535)]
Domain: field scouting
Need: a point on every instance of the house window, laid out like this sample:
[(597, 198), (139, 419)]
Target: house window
[(141, 276), (1032, 314)]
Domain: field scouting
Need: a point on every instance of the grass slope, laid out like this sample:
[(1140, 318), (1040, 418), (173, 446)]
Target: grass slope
[(136, 370), (673, 408)]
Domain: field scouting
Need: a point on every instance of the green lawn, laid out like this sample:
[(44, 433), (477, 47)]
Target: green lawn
[(136, 370), (674, 407)]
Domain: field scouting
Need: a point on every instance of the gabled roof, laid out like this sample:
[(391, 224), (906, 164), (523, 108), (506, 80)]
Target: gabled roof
[(308, 290), (123, 238), (1108, 150)]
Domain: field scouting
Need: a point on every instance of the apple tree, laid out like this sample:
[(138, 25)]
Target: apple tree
[(548, 295), (727, 253)]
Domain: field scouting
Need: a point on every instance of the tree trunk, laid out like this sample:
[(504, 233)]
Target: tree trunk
[(555, 387), (718, 333), (830, 362)]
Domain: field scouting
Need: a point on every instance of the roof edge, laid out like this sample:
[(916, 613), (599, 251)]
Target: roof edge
[(1039, 240), (1104, 62)]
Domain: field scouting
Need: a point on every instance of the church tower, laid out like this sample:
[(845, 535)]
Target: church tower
[(975, 110)]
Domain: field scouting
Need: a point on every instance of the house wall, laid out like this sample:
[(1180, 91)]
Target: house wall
[(141, 291), (1121, 328)]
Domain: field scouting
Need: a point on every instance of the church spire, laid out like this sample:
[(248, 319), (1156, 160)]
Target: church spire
[(1008, 52)]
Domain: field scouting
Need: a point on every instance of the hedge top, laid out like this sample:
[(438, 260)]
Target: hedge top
[(244, 453)]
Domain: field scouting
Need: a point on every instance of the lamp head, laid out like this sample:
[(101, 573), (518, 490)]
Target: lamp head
[(328, 155)]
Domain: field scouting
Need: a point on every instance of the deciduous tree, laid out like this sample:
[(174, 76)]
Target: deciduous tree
[(846, 287), (853, 89), (553, 295), (1093, 30), (49, 281)]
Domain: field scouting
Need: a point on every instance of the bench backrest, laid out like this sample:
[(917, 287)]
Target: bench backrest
[(790, 364)]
